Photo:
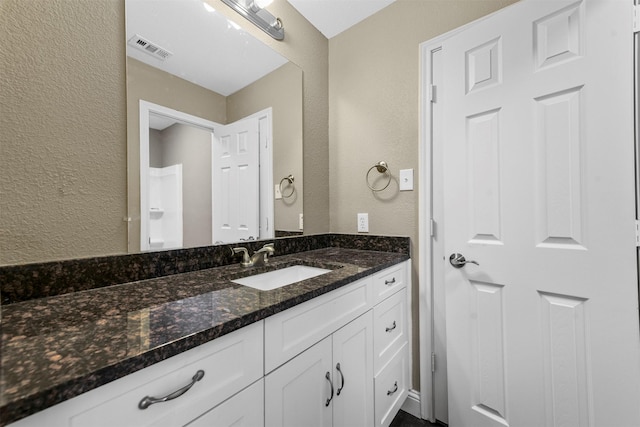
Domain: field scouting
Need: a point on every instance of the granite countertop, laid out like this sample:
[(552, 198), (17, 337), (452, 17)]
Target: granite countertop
[(58, 347)]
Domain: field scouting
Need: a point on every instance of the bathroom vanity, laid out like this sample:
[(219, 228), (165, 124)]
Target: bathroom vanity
[(332, 350)]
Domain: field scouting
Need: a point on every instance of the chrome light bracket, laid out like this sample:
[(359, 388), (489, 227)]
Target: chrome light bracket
[(260, 17)]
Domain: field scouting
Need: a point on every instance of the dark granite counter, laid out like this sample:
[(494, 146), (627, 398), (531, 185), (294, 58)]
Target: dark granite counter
[(58, 347)]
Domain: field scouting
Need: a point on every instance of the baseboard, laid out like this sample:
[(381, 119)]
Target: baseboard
[(412, 404)]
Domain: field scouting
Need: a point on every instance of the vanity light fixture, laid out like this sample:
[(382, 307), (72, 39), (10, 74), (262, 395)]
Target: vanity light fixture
[(254, 11)]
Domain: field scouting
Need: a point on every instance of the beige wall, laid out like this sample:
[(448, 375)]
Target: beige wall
[(63, 139), (282, 91), (191, 147), (373, 115)]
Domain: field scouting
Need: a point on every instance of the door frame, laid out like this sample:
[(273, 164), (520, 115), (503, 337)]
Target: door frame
[(265, 161), (427, 283)]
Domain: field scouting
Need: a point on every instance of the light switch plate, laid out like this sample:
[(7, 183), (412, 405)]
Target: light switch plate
[(277, 192), (406, 179)]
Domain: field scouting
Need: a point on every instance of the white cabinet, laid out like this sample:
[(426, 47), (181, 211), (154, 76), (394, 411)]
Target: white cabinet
[(230, 363), (392, 387), (296, 394), (329, 384), (291, 331), (245, 409), (390, 328), (341, 359), (353, 373)]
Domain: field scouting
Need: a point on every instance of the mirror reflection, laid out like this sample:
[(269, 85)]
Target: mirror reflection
[(214, 127)]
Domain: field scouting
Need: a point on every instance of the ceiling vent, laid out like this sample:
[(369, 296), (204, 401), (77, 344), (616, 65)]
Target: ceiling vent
[(152, 49)]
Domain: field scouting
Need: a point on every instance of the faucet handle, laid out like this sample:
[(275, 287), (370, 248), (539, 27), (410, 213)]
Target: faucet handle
[(245, 255)]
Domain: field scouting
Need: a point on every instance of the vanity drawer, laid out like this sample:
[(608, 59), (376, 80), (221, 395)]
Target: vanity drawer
[(245, 409), (391, 387), (288, 333), (389, 281), (389, 328), (230, 363)]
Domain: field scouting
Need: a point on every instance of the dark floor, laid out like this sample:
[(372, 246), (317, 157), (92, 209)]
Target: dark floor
[(404, 419)]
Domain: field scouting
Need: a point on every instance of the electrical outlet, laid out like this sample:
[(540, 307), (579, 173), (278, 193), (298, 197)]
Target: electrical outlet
[(363, 223), (301, 222)]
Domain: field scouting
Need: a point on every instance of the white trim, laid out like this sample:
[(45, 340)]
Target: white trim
[(412, 404), (425, 300), (267, 216), (425, 290), (147, 108)]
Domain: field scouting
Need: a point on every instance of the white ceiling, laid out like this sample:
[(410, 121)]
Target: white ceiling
[(332, 17), (208, 49), (211, 51)]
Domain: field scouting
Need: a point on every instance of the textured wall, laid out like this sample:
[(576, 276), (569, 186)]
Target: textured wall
[(373, 115), (63, 140), (282, 91)]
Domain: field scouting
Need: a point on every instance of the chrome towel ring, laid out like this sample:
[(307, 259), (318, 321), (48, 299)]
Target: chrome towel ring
[(290, 180), (381, 167)]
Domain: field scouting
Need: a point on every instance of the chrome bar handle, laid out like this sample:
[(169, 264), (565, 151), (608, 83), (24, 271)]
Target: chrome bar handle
[(459, 261), (149, 400), (389, 329), (395, 388), (328, 377), (341, 378)]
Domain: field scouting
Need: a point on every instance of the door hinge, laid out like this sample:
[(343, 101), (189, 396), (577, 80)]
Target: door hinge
[(433, 93), (433, 362), (636, 18), (637, 233)]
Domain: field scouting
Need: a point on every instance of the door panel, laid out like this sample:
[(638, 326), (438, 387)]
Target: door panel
[(236, 206), (353, 350), (296, 393), (539, 190)]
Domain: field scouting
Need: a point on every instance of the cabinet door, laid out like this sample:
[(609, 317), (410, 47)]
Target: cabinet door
[(296, 393), (353, 373), (245, 409)]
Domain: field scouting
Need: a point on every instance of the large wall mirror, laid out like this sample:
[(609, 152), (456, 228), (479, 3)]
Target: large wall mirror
[(214, 127)]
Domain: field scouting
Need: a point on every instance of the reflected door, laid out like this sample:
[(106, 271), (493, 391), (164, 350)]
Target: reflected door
[(539, 190), (236, 182)]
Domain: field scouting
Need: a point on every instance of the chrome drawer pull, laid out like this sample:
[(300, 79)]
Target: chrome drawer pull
[(148, 400), (395, 388), (390, 282), (342, 378), (328, 377), (391, 328)]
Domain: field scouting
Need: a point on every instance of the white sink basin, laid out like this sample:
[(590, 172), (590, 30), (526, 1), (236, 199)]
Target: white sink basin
[(279, 278)]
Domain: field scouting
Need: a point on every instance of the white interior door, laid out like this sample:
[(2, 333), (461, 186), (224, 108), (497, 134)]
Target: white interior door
[(539, 190), (236, 197)]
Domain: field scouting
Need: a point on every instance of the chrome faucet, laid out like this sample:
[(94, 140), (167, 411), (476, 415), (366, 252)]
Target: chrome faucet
[(259, 257)]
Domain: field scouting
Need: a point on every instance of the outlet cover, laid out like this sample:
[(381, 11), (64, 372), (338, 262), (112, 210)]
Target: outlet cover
[(363, 223)]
